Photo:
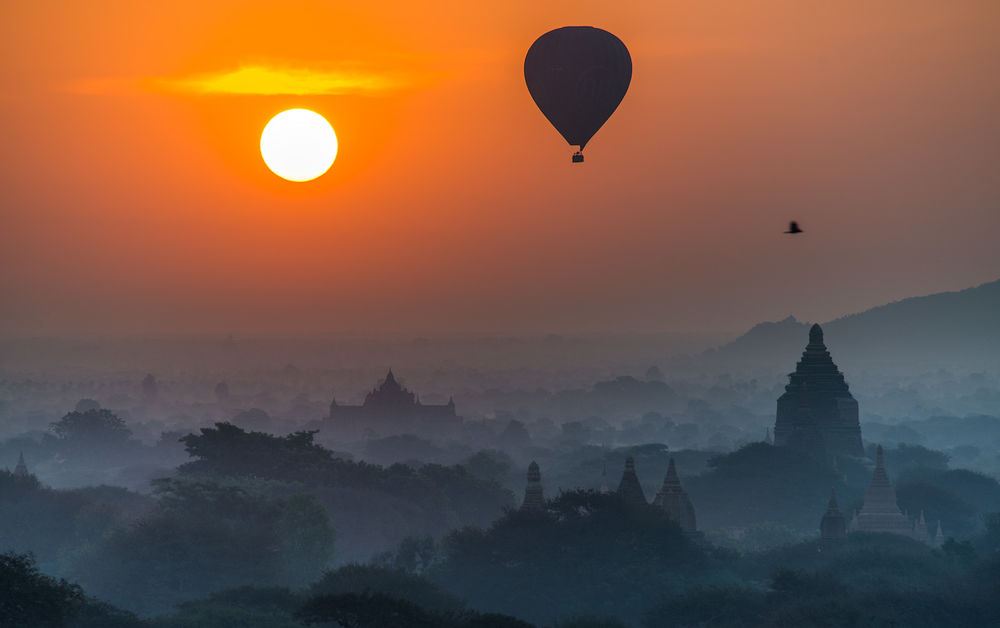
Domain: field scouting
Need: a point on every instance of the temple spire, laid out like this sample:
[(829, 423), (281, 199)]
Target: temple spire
[(629, 488), (533, 497), (880, 513), (833, 526), (21, 470), (604, 478), (674, 500), (816, 335)]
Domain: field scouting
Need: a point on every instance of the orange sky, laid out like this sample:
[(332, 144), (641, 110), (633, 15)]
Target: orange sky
[(135, 198)]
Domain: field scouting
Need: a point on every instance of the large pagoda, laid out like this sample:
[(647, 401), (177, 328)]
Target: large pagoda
[(817, 413)]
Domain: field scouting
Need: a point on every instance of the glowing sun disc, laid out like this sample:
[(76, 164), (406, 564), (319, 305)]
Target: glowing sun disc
[(298, 145)]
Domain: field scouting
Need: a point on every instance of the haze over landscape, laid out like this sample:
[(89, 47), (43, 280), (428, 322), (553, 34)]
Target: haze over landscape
[(456, 375)]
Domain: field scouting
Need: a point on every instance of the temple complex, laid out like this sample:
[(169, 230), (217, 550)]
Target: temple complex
[(629, 487), (817, 413), (673, 499), (833, 526), (392, 409), (533, 496)]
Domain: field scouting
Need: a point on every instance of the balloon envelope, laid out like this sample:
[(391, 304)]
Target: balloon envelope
[(577, 76)]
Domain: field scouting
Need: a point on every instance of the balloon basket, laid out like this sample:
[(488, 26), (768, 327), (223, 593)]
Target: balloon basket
[(578, 157)]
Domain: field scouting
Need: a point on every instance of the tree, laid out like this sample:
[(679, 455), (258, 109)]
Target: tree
[(387, 581), (94, 429), (30, 598)]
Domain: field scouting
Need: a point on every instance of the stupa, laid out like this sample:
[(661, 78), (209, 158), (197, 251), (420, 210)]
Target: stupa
[(880, 512), (674, 499), (629, 487)]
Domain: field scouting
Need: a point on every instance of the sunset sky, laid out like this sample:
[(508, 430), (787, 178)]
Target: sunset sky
[(135, 199)]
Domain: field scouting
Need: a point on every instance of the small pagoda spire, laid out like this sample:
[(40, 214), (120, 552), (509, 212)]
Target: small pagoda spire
[(21, 470), (674, 500), (629, 488), (767, 436), (920, 530), (604, 479), (833, 526), (533, 496), (816, 335), (938, 536)]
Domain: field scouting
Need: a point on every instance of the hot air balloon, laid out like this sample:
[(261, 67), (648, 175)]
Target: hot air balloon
[(577, 75)]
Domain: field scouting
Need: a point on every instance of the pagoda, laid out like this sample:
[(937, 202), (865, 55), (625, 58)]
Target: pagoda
[(533, 497), (833, 526), (21, 470), (880, 512), (673, 499), (629, 487), (817, 413)]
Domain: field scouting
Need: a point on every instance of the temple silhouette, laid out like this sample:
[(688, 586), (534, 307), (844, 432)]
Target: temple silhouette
[(817, 413), (879, 513), (389, 409), (534, 499), (671, 498)]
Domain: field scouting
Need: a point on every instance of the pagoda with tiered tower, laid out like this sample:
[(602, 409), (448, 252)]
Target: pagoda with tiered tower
[(534, 499), (817, 413)]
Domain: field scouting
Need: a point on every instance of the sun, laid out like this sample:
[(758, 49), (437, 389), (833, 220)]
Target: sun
[(298, 145)]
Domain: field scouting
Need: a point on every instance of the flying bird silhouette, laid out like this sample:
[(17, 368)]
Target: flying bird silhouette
[(793, 227)]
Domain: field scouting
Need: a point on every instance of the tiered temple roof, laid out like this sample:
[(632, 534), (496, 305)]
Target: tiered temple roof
[(833, 526), (673, 498), (629, 487), (533, 496), (880, 512), (817, 412), (390, 408)]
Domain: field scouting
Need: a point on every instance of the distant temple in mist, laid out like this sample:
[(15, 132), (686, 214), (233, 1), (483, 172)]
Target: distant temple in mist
[(671, 498), (817, 413), (833, 526), (674, 499), (534, 499), (389, 409), (21, 470), (879, 513)]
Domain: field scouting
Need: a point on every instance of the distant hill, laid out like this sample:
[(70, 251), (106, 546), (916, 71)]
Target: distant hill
[(945, 328)]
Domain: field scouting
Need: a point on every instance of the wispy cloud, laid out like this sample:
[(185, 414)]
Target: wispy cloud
[(259, 79), (255, 80)]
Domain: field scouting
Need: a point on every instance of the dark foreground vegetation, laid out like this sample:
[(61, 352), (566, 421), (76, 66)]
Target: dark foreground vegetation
[(263, 530), (586, 560)]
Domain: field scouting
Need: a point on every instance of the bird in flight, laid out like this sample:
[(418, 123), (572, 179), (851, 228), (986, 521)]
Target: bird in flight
[(793, 227)]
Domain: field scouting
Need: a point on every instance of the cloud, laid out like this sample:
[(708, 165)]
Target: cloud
[(263, 80), (256, 80)]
